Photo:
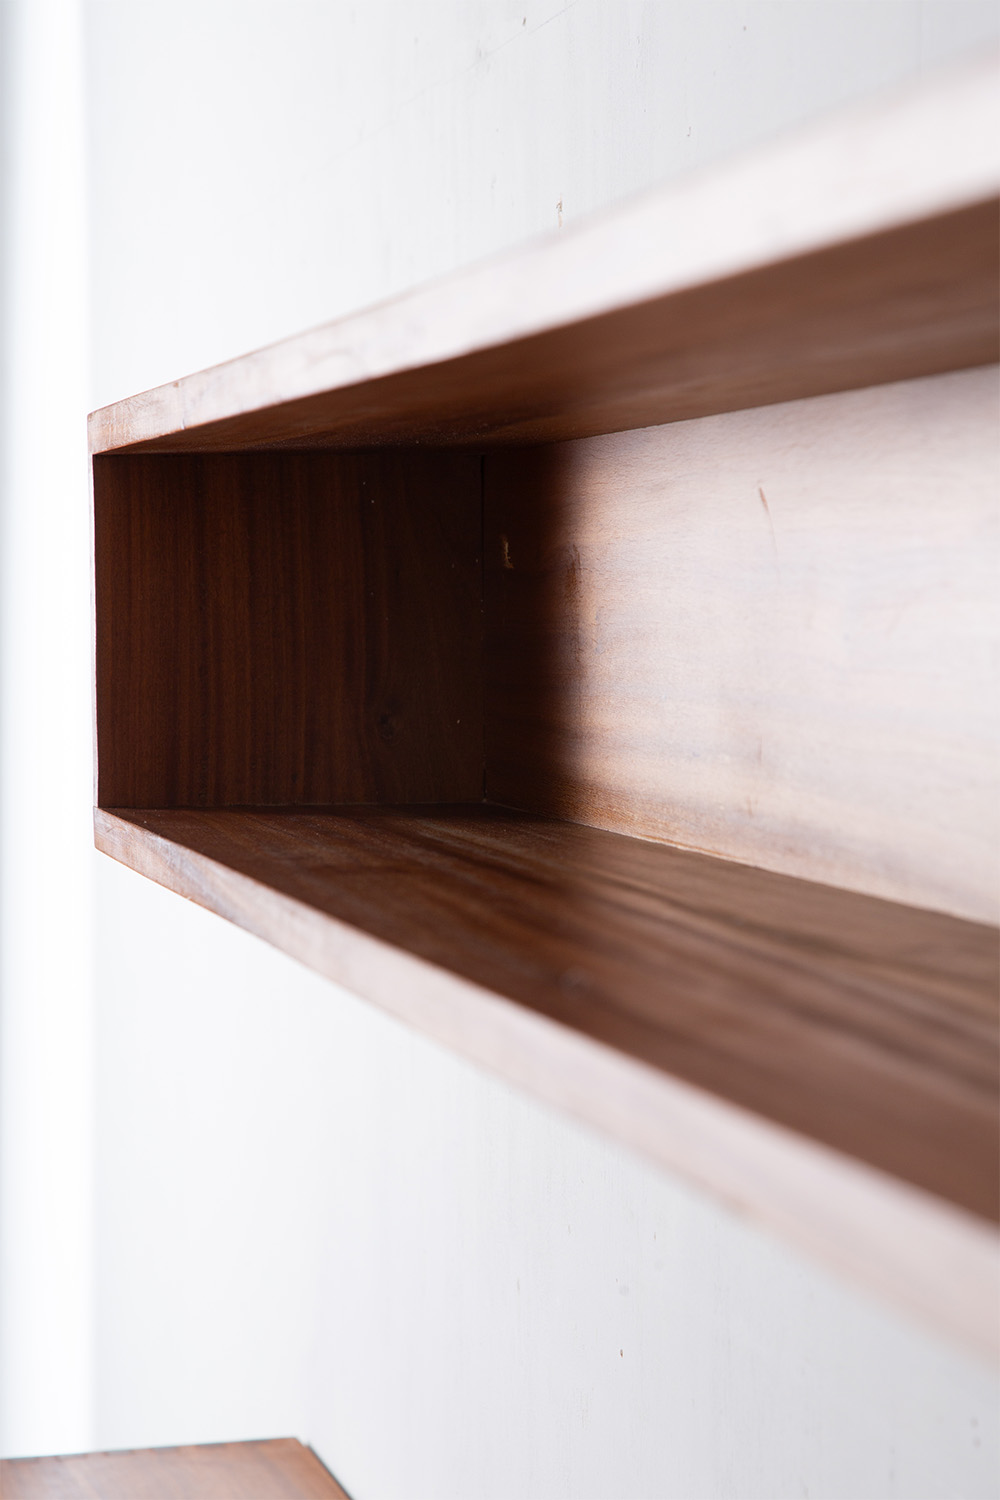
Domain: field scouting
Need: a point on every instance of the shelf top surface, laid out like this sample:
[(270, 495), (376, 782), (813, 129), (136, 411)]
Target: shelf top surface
[(858, 250), (861, 1024)]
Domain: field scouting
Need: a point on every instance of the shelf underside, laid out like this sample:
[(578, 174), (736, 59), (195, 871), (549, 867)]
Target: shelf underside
[(858, 1024)]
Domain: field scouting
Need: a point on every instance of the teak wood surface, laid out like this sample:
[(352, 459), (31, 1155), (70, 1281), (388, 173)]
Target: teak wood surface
[(280, 1469), (759, 634), (861, 250), (865, 1032)]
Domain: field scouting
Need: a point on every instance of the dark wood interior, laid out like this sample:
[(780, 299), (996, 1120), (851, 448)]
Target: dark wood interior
[(288, 628), (644, 633)]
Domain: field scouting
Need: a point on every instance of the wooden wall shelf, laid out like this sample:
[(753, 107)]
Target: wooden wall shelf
[(426, 638)]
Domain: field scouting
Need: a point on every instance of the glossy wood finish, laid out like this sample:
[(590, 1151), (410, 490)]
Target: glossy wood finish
[(288, 628), (281, 1469), (860, 251), (769, 635), (617, 977)]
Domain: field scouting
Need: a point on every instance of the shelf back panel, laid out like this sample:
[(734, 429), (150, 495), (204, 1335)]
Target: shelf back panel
[(767, 635), (288, 628)]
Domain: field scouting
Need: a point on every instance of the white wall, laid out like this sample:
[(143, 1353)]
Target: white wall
[(308, 1220), (46, 857)]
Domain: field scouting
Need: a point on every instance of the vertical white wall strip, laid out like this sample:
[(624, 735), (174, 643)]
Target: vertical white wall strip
[(46, 863)]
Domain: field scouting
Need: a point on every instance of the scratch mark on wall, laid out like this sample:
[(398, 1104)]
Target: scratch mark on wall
[(767, 512)]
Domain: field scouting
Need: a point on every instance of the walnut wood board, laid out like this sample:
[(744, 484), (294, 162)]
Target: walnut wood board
[(280, 1469), (859, 251), (823, 1060), (288, 628), (770, 635)]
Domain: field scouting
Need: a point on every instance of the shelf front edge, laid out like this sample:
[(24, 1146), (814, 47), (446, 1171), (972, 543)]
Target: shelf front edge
[(716, 291), (930, 1259)]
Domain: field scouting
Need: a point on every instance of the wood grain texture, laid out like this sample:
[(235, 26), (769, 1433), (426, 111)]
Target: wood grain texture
[(622, 979), (764, 633), (862, 250), (770, 635), (281, 1469), (288, 628)]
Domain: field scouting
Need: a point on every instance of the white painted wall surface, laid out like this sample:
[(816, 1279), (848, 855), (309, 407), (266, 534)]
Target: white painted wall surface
[(306, 1219), (47, 1030)]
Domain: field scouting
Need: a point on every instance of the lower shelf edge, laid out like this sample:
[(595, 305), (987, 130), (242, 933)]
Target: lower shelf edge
[(823, 1061)]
